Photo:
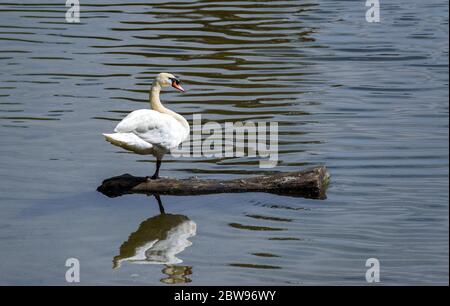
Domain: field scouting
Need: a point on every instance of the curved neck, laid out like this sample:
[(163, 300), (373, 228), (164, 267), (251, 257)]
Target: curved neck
[(155, 102), (156, 105)]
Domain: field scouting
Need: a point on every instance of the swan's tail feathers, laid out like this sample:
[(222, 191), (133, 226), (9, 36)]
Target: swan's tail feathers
[(129, 141)]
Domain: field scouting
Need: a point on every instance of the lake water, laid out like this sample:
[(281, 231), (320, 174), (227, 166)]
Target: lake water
[(369, 101)]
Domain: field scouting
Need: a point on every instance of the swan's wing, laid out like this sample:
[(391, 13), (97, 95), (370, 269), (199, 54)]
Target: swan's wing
[(152, 126)]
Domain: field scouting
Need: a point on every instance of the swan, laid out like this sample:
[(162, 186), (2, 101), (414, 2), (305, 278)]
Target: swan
[(152, 131)]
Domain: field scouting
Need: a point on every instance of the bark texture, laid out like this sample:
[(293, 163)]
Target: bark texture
[(310, 183)]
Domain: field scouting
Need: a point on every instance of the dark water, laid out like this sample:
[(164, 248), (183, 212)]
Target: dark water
[(370, 101)]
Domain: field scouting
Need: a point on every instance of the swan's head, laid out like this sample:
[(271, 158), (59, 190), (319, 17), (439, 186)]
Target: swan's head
[(167, 79)]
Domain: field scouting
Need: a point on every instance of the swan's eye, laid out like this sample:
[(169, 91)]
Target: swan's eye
[(175, 81)]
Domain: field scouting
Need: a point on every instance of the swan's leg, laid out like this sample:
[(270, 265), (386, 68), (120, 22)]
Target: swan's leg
[(161, 207), (158, 165)]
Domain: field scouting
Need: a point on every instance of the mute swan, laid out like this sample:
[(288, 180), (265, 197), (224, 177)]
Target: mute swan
[(152, 132)]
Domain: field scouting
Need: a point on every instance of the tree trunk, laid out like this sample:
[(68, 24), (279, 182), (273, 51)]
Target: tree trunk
[(309, 183)]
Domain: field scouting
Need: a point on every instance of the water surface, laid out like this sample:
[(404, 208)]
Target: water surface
[(369, 101)]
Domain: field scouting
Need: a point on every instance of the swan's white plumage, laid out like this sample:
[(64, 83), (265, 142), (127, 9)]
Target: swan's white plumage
[(130, 141), (147, 131), (155, 131), (153, 127)]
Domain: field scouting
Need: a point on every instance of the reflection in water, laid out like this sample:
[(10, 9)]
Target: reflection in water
[(176, 274), (370, 102), (157, 241)]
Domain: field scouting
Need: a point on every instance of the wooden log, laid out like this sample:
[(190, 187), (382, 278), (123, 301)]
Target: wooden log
[(309, 183)]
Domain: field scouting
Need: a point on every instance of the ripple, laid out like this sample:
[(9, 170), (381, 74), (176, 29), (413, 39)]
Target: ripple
[(369, 101), (253, 266), (255, 227), (269, 218)]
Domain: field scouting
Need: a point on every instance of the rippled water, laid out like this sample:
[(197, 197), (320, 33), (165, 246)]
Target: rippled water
[(370, 101)]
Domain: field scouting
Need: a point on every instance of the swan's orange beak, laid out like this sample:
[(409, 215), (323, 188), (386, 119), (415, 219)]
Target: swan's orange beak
[(176, 85)]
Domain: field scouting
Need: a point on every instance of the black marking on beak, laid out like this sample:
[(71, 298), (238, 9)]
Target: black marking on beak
[(176, 83), (175, 80)]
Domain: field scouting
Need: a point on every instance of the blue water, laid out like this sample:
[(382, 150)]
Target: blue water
[(369, 101)]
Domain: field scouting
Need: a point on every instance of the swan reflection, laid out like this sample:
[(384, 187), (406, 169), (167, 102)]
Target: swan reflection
[(177, 274), (159, 240)]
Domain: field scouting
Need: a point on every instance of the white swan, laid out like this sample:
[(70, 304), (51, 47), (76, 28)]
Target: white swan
[(154, 131)]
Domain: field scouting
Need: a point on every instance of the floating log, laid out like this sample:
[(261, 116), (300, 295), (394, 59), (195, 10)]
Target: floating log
[(310, 183)]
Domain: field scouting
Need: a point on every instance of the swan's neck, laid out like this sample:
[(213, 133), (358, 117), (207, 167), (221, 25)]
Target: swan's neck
[(156, 105)]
